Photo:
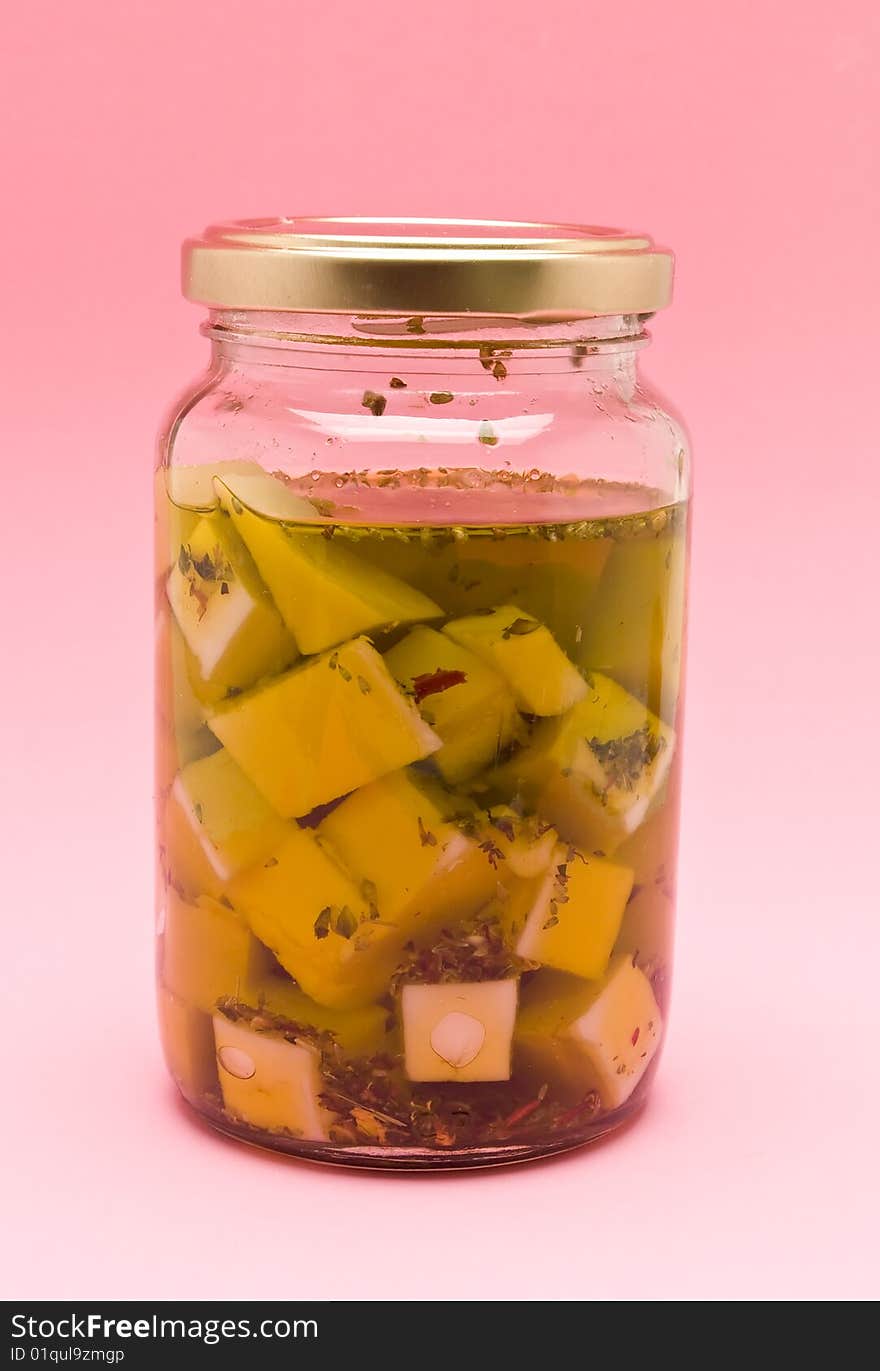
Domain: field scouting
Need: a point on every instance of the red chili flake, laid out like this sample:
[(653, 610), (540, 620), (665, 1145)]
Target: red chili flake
[(522, 1113), (635, 1037), (432, 682)]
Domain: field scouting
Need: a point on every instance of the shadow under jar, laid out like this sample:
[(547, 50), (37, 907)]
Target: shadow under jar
[(422, 546)]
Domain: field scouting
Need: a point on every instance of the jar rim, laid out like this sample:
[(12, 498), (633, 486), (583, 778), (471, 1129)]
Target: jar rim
[(417, 267)]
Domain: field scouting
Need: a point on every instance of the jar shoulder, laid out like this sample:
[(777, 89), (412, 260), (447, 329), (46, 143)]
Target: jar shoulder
[(613, 425)]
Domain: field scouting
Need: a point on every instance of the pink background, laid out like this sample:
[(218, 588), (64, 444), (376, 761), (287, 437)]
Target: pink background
[(744, 136)]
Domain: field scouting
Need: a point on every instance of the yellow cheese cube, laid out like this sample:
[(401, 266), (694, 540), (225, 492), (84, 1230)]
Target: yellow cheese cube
[(231, 627), (326, 594), (525, 653), (359, 1032), (264, 493), (178, 708), (553, 582), (270, 1083), (216, 824), (315, 918), (467, 703), (635, 631), (524, 847), (193, 487), (600, 1037), (595, 772), (459, 1032), (421, 869), (208, 952), (188, 1043), (516, 900), (327, 727), (576, 915), (171, 527), (183, 494)]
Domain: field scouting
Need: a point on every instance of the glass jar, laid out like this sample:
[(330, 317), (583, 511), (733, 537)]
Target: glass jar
[(422, 545)]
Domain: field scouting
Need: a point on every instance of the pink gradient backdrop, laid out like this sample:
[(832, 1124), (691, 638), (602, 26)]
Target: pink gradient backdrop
[(744, 136)]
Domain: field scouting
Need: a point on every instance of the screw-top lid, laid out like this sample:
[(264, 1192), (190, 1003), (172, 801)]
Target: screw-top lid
[(422, 266)]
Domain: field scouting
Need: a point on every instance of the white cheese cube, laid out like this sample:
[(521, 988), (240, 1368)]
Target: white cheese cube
[(269, 1082), (591, 1037), (228, 621), (620, 1032), (209, 635), (459, 1031)]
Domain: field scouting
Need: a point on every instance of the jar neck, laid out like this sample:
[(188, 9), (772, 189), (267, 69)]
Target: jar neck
[(495, 345)]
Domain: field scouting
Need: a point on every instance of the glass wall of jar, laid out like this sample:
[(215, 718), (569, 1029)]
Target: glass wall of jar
[(422, 546)]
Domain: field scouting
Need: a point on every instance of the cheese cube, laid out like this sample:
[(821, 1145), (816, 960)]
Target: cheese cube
[(525, 653), (635, 630), (599, 1037), (216, 824), (553, 582), (193, 487), (171, 527), (648, 923), (422, 870), (332, 724), (514, 905), (315, 918), (270, 1083), (266, 494), (178, 707), (182, 735), (576, 915), (182, 495), (208, 952), (467, 703), (595, 772), (459, 1032), (188, 1044), (233, 631), (326, 594)]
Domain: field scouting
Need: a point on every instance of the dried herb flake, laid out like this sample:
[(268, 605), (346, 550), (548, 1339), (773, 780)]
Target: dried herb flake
[(625, 759), (374, 402), (426, 837), (520, 628), (345, 923)]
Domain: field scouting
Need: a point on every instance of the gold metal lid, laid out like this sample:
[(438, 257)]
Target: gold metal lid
[(422, 266)]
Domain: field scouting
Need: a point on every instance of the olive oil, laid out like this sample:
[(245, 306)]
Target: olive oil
[(419, 762)]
